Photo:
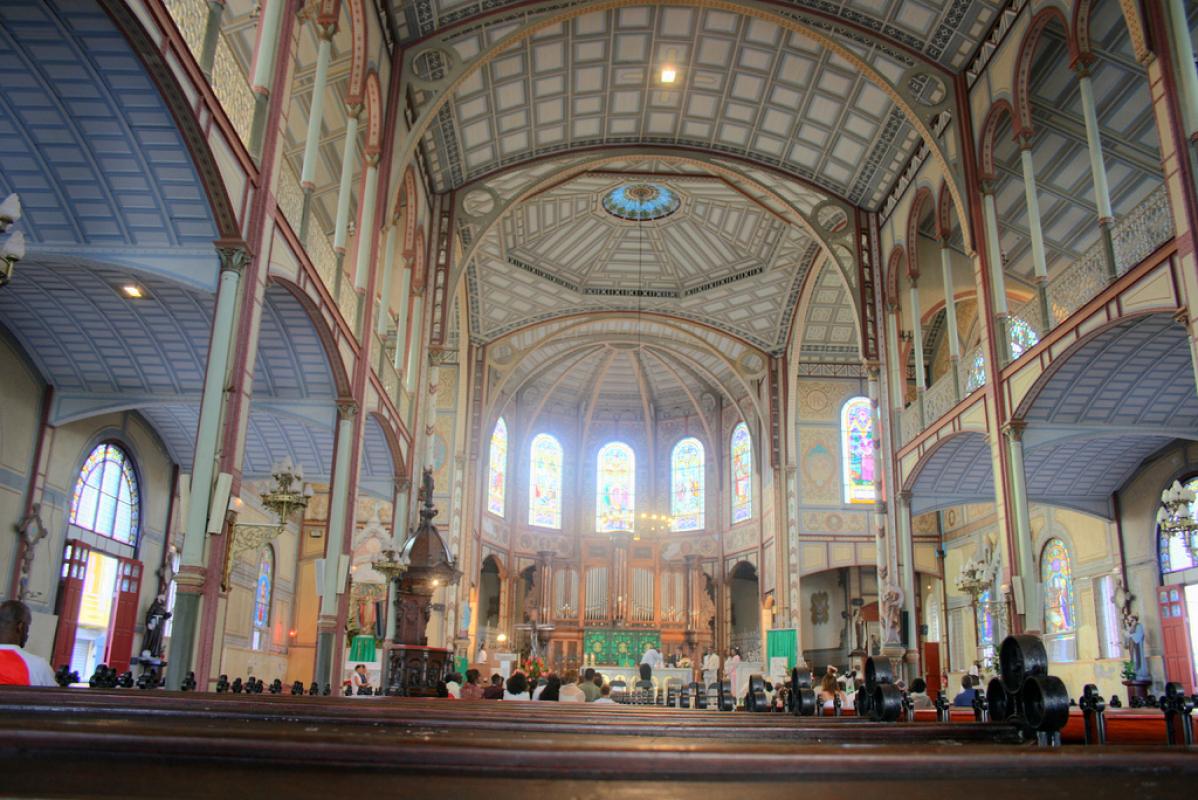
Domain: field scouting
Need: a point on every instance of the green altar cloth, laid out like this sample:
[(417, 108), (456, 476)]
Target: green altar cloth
[(620, 646)]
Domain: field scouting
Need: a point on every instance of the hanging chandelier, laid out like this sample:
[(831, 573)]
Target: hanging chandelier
[(1176, 515)]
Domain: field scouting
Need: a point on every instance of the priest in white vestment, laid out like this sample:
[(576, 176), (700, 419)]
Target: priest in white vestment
[(711, 667)]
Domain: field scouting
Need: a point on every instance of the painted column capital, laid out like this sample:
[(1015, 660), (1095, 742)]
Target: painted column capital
[(1013, 430), (233, 254), (347, 409)]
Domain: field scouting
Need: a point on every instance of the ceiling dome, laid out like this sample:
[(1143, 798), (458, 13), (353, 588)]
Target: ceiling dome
[(641, 201)]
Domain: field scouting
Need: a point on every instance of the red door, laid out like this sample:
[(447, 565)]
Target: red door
[(124, 613), (931, 667), (1175, 636), (70, 593)]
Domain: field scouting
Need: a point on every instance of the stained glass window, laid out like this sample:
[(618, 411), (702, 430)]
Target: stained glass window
[(1057, 577), (615, 501), (742, 473), (985, 620), (545, 484), (857, 445), (1175, 555), (106, 498), (264, 587), (497, 474), (686, 482), (1023, 338)]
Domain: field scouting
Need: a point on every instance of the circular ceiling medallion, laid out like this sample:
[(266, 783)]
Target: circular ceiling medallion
[(641, 201)]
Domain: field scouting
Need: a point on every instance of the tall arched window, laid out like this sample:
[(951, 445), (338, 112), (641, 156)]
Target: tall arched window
[(1022, 336), (106, 497), (686, 484), (545, 483), (615, 501), (1057, 576), (263, 591), (857, 450), (497, 472), (1174, 553), (742, 473)]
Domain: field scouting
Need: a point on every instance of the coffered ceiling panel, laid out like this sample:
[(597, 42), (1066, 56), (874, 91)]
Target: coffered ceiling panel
[(945, 30), (744, 86)]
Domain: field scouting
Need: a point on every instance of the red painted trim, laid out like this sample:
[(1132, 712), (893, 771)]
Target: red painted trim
[(35, 470), (1023, 64), (923, 195), (987, 168)]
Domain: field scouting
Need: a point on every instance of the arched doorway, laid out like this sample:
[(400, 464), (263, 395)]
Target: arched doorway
[(490, 591), (744, 593)]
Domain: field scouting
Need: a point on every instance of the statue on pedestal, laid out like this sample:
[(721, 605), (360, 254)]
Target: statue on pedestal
[(156, 617), (1133, 639)]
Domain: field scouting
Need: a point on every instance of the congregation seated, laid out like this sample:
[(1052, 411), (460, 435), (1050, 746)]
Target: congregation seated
[(605, 695), (18, 667), (919, 694), (517, 687), (451, 687), (551, 691), (830, 689), (495, 690), (591, 684), (472, 689), (572, 689), (964, 698)]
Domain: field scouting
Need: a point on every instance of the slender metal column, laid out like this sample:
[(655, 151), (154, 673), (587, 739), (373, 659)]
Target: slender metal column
[(332, 585), (997, 277), (1183, 47), (269, 35), (921, 375), (365, 240), (414, 343), (216, 8), (341, 226), (1039, 262), (401, 317), (187, 604), (325, 33), (383, 318), (950, 317), (1102, 193), (1023, 526)]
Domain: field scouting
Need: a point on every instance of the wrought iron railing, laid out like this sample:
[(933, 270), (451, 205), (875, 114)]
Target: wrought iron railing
[(229, 81)]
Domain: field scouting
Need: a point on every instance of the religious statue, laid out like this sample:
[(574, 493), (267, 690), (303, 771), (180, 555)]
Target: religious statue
[(32, 520), (858, 621), (156, 617), (1133, 638), (892, 613)]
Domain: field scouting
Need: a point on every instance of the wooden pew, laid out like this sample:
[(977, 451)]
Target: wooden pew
[(98, 755)]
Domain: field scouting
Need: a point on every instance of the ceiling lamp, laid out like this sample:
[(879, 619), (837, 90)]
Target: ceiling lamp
[(1176, 515), (134, 291), (12, 249), (669, 72)]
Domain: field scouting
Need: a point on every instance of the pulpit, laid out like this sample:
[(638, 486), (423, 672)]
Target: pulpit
[(414, 668)]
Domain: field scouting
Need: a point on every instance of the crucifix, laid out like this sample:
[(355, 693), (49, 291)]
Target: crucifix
[(534, 633)]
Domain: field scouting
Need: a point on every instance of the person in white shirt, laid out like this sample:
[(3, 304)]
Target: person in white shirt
[(711, 667), (481, 658), (605, 695), (19, 667), (517, 687), (651, 659), (571, 692), (360, 678)]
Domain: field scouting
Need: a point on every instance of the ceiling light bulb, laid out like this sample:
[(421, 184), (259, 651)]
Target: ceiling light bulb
[(13, 248), (668, 73), (133, 290)]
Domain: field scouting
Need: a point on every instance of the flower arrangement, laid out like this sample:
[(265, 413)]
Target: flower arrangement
[(534, 668)]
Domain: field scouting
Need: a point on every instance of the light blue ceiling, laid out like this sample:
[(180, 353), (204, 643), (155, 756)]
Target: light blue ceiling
[(376, 475), (86, 139), (1114, 402)]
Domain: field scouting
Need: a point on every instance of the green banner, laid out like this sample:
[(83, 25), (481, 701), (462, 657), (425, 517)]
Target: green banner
[(619, 646), (782, 643)]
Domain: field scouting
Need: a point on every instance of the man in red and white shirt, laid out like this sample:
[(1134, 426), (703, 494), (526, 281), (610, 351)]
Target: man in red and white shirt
[(17, 667)]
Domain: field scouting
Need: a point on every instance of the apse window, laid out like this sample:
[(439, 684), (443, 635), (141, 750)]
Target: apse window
[(615, 498), (545, 483), (687, 491), (742, 473), (106, 496), (857, 445), (497, 470)]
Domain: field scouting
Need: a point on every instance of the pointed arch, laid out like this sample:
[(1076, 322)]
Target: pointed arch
[(1023, 65), (922, 197), (687, 490), (986, 166)]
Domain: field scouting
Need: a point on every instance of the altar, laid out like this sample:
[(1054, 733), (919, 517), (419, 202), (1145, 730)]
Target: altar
[(677, 676)]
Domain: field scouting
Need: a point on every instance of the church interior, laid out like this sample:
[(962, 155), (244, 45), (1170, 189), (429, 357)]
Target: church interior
[(359, 346)]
